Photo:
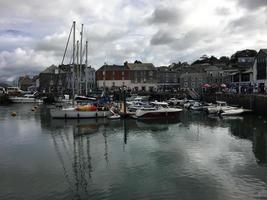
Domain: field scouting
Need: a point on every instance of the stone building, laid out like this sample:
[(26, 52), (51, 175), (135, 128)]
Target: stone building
[(143, 76), (167, 78), (24, 82)]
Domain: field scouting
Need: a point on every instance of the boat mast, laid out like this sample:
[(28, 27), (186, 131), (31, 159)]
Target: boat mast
[(77, 56), (81, 47), (86, 70), (73, 63)]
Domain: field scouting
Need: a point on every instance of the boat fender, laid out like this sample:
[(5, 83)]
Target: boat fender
[(96, 114), (65, 115), (13, 114), (78, 115)]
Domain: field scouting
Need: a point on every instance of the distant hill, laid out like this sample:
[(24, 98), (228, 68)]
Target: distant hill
[(2, 84)]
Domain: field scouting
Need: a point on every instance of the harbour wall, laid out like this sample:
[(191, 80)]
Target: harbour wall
[(257, 103)]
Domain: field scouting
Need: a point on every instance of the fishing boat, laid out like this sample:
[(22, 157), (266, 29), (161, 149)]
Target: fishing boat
[(159, 110)]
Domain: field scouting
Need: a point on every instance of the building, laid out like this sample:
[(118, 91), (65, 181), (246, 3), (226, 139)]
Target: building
[(24, 82), (143, 76), (91, 79), (193, 77), (47, 79), (113, 77), (260, 71), (167, 78)]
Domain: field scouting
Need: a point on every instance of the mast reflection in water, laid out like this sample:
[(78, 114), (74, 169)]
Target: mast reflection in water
[(193, 157)]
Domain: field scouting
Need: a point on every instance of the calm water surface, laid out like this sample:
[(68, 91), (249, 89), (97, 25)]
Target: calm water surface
[(195, 157)]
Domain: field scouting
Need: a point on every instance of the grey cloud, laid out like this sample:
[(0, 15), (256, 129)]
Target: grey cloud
[(253, 4), (245, 23), (182, 42), (222, 11), (165, 15), (162, 38)]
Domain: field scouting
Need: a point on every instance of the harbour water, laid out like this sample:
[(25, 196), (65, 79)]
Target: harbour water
[(193, 157)]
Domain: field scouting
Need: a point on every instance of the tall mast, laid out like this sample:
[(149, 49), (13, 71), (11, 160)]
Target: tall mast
[(78, 74), (73, 64), (81, 56), (86, 68)]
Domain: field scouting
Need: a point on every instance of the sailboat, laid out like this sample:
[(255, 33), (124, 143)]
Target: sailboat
[(79, 111)]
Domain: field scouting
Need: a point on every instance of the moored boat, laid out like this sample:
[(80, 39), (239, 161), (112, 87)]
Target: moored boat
[(74, 113), (159, 110)]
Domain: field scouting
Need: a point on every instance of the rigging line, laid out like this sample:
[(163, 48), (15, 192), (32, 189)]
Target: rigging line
[(66, 48)]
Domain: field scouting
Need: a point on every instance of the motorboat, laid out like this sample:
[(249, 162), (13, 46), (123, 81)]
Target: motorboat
[(189, 103), (158, 110), (236, 111), (27, 98), (197, 106), (219, 106), (80, 112)]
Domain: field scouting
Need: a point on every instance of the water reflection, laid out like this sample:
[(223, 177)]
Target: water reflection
[(217, 158)]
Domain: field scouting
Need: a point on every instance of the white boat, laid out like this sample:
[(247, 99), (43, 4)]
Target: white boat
[(220, 106), (160, 110), (114, 115), (197, 106), (229, 112), (72, 113), (189, 103), (27, 98), (236, 111)]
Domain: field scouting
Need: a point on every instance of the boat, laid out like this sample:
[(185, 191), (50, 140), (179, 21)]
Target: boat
[(27, 98), (159, 110), (220, 106), (188, 104), (229, 112), (114, 115), (75, 113), (92, 109), (236, 111), (197, 106)]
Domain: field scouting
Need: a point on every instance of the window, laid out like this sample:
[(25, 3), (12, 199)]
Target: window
[(261, 69)]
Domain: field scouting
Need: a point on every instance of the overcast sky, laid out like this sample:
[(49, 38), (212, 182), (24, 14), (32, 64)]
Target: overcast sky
[(33, 33)]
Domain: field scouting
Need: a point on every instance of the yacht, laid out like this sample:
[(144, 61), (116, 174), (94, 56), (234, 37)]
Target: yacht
[(158, 110), (80, 112)]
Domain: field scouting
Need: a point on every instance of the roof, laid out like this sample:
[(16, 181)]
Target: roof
[(49, 70), (141, 66), (264, 50), (111, 67)]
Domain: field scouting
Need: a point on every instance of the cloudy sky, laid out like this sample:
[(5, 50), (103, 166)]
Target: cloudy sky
[(33, 33)]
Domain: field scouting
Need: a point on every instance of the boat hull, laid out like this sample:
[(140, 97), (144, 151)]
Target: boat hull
[(73, 114), (158, 114), (25, 100)]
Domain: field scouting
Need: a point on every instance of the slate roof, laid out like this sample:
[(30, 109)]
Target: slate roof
[(49, 70), (141, 66), (111, 67)]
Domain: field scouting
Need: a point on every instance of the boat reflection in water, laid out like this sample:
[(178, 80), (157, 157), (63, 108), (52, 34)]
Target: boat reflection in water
[(76, 152)]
